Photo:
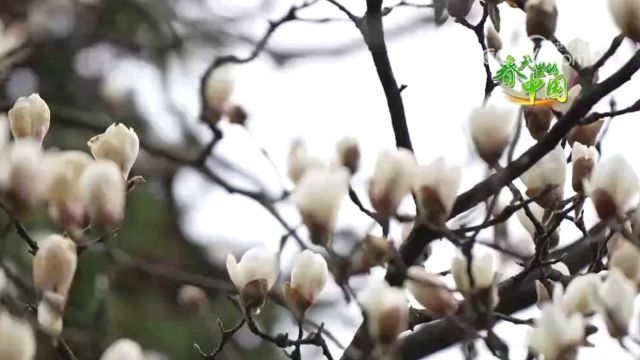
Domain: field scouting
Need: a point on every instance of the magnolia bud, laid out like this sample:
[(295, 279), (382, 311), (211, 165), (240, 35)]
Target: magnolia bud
[(299, 161), (431, 292), (191, 296), (54, 265), (557, 335), (391, 180), (626, 15), (18, 341), (123, 349), (253, 276), (318, 198), (435, 186), (581, 293), (539, 214), (542, 17), (349, 154), (585, 134), (548, 172), (583, 160), (613, 186), (29, 118), (50, 313), (493, 39), (538, 119), (102, 190), (118, 144), (308, 277), (459, 8), (237, 115), (483, 273), (617, 296), (23, 175), (387, 312), (625, 256), (491, 129), (376, 251), (61, 188)]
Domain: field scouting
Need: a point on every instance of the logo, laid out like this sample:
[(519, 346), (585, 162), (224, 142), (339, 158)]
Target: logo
[(530, 82)]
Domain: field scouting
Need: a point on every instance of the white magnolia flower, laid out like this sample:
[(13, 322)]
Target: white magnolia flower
[(573, 94), (308, 277), (61, 186), (387, 311), (491, 129), (431, 292), (29, 118), (254, 275), (103, 192), (300, 160), (54, 265), (18, 340), (626, 15), (21, 178), (556, 334), (585, 134), (583, 160), (581, 294), (613, 186), (616, 307), (542, 17), (548, 172), (118, 144), (436, 186), (349, 153), (123, 349), (391, 180), (483, 272), (50, 313), (318, 197), (626, 257)]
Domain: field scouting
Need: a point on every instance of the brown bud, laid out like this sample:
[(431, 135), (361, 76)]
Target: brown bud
[(548, 201), (253, 294), (459, 8), (431, 204), (237, 115), (376, 251), (538, 119), (296, 300), (585, 134), (582, 169), (542, 16), (605, 205), (391, 323)]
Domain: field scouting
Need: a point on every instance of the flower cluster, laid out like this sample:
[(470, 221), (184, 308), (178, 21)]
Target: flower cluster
[(77, 190)]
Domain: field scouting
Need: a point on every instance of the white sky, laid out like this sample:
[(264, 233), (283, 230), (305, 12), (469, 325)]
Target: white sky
[(323, 99)]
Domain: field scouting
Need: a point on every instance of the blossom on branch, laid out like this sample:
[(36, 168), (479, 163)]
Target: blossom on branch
[(253, 276), (435, 186), (583, 160), (612, 187), (626, 15), (391, 180), (547, 176), (557, 335), (431, 292), (103, 192), (542, 18), (318, 198), (123, 349), (308, 277), (491, 130), (118, 144), (29, 118), (349, 154), (387, 312)]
